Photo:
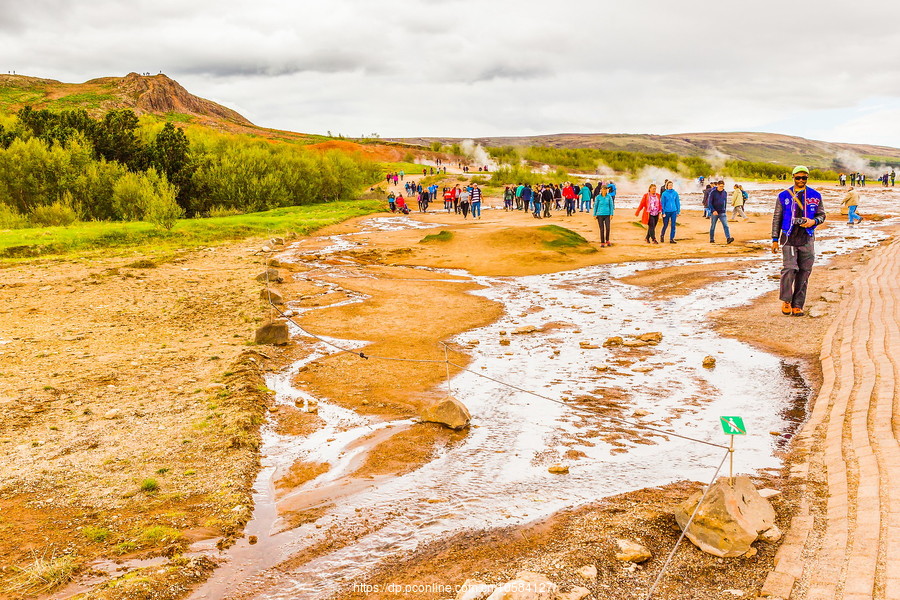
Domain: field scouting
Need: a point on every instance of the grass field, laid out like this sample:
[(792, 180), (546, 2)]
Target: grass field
[(83, 239)]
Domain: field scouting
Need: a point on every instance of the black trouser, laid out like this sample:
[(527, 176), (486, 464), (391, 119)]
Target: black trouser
[(796, 268), (652, 220), (603, 221), (464, 207)]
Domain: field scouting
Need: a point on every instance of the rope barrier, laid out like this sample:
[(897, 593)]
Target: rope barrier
[(498, 381), (690, 520)]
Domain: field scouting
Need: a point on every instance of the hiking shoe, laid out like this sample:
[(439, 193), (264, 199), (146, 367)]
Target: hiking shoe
[(672, 242), (785, 308), (729, 240), (797, 312)]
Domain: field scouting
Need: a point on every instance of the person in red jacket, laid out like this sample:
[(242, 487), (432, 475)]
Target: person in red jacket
[(642, 207)]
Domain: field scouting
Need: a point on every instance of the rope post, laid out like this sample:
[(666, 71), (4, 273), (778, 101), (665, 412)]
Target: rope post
[(731, 461), (447, 364)]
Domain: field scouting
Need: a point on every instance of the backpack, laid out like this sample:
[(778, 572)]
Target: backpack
[(746, 195)]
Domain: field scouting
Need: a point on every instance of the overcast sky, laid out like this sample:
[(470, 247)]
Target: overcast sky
[(823, 70)]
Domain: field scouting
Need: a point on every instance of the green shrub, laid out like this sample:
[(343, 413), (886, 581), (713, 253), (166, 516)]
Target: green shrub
[(96, 534), (57, 214), (223, 211), (149, 485), (162, 210), (159, 534), (10, 219)]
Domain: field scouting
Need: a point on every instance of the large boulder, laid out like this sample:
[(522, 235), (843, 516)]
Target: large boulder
[(449, 412), (654, 337), (270, 295), (270, 276), (730, 519), (274, 333), (526, 586)]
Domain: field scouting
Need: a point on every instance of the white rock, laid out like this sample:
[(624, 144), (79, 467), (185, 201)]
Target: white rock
[(632, 551), (588, 572), (771, 535), (113, 414)]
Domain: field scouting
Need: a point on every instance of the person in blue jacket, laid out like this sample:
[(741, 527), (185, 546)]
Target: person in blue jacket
[(604, 207), (671, 207), (526, 196), (585, 194), (612, 189), (798, 211)]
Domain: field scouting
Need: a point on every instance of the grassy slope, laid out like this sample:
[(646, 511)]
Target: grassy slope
[(83, 238)]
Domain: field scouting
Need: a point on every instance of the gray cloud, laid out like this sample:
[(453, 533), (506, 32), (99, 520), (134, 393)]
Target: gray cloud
[(473, 68)]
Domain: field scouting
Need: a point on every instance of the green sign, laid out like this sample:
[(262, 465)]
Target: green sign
[(733, 425)]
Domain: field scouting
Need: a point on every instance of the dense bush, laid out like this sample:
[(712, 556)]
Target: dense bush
[(114, 168), (56, 214)]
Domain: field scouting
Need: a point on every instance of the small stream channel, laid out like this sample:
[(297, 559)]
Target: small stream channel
[(498, 474)]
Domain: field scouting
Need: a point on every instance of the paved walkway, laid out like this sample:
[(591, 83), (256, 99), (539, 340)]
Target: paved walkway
[(852, 550)]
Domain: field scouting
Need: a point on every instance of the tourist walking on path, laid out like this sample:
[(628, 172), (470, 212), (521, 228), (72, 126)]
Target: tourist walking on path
[(464, 202), (642, 207), (527, 193), (798, 211), (671, 208), (737, 203), (706, 192), (718, 211), (586, 193), (604, 207), (569, 195), (550, 193), (509, 195), (536, 202), (392, 202), (476, 201), (652, 209), (851, 203)]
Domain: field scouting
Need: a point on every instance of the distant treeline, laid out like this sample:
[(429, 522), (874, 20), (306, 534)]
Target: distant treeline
[(56, 167), (588, 160)]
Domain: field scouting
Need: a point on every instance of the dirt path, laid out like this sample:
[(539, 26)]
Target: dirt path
[(847, 547)]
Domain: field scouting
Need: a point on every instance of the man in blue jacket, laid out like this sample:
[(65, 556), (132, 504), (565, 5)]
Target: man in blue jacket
[(718, 207), (798, 212)]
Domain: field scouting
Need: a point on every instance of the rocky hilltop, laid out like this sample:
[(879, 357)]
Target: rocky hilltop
[(145, 94)]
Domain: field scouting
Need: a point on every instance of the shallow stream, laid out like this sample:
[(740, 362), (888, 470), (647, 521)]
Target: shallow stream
[(498, 474)]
